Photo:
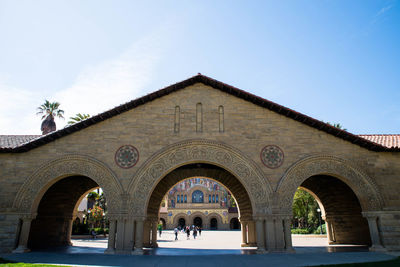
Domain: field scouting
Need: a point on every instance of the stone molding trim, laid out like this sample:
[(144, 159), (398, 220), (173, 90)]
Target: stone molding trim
[(199, 151), (362, 185), (33, 189)]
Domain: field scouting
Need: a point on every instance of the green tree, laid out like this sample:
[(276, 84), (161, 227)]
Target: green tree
[(49, 110), (305, 210), (92, 198), (78, 117), (95, 216), (337, 125)]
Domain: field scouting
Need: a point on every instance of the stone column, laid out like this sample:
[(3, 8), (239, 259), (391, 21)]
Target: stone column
[(329, 230), (146, 233), (252, 241), (244, 233), (270, 234), (24, 234), (128, 235), (374, 232), (154, 233), (69, 230), (111, 238), (260, 234), (279, 234), (288, 234), (119, 246), (139, 237)]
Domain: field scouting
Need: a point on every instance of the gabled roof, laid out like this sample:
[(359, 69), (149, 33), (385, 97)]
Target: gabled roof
[(387, 140), (13, 141), (36, 142)]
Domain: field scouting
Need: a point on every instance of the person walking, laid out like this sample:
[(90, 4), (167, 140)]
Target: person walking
[(188, 232), (199, 231), (176, 233), (159, 229), (194, 232), (94, 234)]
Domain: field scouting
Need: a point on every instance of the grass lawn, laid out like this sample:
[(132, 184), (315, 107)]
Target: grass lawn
[(6, 263), (389, 263)]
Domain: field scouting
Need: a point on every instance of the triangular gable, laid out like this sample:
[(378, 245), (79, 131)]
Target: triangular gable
[(342, 134)]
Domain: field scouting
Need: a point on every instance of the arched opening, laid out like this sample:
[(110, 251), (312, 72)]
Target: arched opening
[(162, 221), (197, 197), (330, 205), (197, 221), (58, 215), (181, 223), (213, 224), (234, 224), (202, 182)]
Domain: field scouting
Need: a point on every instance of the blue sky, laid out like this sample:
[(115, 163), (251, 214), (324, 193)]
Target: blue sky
[(337, 61)]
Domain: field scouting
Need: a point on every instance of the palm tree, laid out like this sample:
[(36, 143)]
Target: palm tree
[(49, 111), (337, 125), (78, 117)]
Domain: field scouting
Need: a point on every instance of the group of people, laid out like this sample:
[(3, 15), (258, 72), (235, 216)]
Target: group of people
[(195, 229)]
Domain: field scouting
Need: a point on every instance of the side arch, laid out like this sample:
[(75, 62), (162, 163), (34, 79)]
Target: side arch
[(28, 197), (178, 216), (218, 217), (198, 214), (363, 186), (199, 151)]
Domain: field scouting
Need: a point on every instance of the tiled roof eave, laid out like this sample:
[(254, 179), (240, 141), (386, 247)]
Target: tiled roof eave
[(217, 85)]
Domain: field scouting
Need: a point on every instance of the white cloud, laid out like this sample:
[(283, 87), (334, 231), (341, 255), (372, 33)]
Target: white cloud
[(383, 10), (17, 112), (113, 82), (96, 89), (380, 14)]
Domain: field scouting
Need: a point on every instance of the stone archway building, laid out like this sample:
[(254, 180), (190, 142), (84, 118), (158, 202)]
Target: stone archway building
[(261, 151)]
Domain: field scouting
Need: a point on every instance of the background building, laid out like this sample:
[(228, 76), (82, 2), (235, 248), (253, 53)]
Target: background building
[(202, 202)]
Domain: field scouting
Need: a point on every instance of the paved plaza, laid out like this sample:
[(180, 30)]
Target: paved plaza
[(212, 248)]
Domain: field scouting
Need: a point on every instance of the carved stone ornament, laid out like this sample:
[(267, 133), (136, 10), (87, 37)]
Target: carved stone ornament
[(126, 156), (171, 157), (272, 156), (28, 197), (363, 186)]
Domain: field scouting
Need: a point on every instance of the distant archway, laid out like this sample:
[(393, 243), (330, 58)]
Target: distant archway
[(197, 221), (181, 222), (234, 224), (213, 224)]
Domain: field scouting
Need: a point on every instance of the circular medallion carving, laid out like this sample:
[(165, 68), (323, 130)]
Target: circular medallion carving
[(272, 156), (127, 156)]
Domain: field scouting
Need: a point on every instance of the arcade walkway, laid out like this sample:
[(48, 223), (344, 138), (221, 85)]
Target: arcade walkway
[(226, 251)]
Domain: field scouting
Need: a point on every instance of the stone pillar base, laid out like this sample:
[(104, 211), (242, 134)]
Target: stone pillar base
[(261, 251), (244, 245), (109, 251), (290, 250), (21, 249), (377, 248), (277, 250), (137, 251), (123, 252), (252, 245)]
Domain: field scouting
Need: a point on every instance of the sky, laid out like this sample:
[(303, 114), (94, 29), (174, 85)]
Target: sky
[(337, 61)]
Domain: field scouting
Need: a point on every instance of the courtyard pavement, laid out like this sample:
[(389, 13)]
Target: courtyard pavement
[(212, 248)]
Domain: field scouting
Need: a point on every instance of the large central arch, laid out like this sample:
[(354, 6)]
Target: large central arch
[(203, 152), (200, 170)]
